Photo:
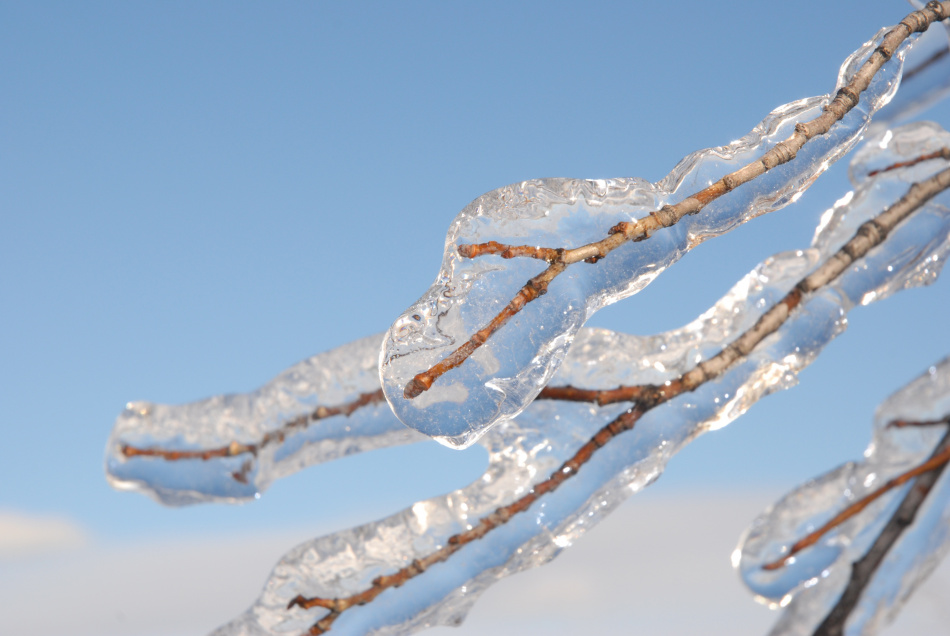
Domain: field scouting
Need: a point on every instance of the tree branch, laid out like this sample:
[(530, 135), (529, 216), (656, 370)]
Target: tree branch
[(923, 66), (943, 153), (647, 397), (863, 570), (869, 235), (235, 448), (783, 152), (301, 422), (937, 460)]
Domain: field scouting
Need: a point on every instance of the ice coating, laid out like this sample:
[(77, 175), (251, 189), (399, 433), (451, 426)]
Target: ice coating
[(525, 450), (925, 79), (815, 580), (503, 375), (268, 418)]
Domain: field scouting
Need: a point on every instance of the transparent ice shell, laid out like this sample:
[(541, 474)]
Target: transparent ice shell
[(263, 418), (815, 577), (813, 580), (502, 377), (925, 79), (525, 450)]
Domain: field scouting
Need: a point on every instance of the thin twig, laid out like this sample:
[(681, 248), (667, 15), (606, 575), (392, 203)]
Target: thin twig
[(943, 153), (667, 216), (235, 448), (863, 570), (600, 397), (917, 423), (937, 460), (647, 397), (474, 250)]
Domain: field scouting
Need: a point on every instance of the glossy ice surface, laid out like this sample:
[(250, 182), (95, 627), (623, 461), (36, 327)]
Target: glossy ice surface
[(814, 579), (525, 450), (280, 428), (504, 374)]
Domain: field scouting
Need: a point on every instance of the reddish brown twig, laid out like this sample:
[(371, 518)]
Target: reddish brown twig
[(936, 461), (497, 518), (943, 153), (624, 232), (474, 250), (917, 423), (236, 448), (864, 569), (600, 397), (647, 397), (537, 286)]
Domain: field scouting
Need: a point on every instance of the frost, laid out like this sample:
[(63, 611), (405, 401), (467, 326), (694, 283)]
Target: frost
[(524, 451), (816, 577), (507, 372)]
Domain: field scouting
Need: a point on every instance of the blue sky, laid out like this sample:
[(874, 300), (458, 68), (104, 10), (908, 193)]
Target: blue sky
[(194, 197)]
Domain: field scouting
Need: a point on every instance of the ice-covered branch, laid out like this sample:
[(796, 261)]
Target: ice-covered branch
[(936, 462), (882, 523), (235, 448), (231, 447), (241, 465), (471, 300), (864, 569), (561, 465), (943, 153)]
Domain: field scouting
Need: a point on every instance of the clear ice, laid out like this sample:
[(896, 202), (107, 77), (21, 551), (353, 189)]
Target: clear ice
[(329, 405), (329, 379), (525, 450), (814, 579), (925, 79), (505, 374)]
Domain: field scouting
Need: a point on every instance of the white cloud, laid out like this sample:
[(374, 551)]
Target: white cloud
[(659, 565), (23, 535)]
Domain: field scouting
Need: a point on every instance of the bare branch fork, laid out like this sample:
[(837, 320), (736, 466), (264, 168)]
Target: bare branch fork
[(234, 448), (937, 461), (918, 194), (646, 397), (863, 570), (559, 259)]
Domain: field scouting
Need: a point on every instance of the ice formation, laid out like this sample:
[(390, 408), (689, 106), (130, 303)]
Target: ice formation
[(289, 423), (925, 79), (231, 447), (814, 579), (505, 373), (524, 451)]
